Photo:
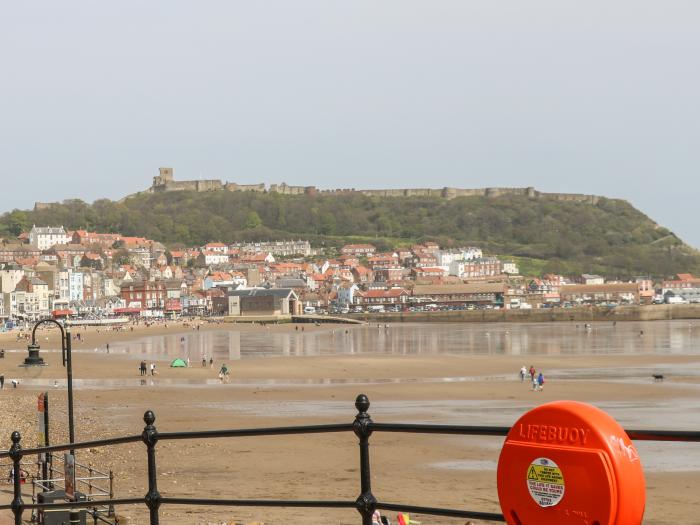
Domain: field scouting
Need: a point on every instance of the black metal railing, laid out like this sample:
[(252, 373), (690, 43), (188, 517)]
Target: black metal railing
[(363, 427)]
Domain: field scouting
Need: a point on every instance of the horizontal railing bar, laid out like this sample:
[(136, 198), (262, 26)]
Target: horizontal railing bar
[(639, 435), (260, 503), (82, 504), (90, 479), (439, 429), (243, 432), (84, 444), (487, 516), (663, 435)]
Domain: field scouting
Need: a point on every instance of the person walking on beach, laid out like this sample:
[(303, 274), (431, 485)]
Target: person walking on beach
[(540, 381), (2, 381), (153, 368), (211, 362), (523, 373), (535, 384), (223, 373), (142, 368), (532, 372)]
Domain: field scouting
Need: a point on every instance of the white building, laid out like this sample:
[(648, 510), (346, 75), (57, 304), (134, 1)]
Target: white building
[(510, 268), (592, 279), (44, 238), (346, 294), (215, 258), (10, 275), (279, 248), (218, 247), (75, 286), (30, 300), (445, 258)]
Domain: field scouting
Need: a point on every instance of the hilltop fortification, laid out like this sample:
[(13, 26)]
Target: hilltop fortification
[(165, 182)]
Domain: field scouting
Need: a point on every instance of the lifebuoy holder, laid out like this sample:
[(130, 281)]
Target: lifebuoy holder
[(570, 463)]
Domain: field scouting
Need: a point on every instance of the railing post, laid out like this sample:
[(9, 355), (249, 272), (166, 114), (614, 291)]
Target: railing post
[(366, 502), (90, 481), (110, 511), (150, 438), (16, 455)]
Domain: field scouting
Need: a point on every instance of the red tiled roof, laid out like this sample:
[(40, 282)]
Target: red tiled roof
[(394, 292)]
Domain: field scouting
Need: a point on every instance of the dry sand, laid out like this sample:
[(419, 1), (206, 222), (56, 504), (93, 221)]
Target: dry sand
[(314, 466)]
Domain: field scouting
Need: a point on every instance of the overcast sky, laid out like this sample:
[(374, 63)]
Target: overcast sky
[(594, 97)]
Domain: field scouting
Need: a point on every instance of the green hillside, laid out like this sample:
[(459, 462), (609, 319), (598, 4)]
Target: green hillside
[(610, 237)]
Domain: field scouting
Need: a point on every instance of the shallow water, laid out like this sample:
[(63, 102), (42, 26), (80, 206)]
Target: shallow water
[(529, 339)]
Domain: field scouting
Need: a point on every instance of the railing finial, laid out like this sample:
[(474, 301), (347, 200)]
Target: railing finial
[(149, 417), (362, 403)]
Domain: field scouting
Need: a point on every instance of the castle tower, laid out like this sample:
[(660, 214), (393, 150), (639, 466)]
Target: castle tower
[(165, 176)]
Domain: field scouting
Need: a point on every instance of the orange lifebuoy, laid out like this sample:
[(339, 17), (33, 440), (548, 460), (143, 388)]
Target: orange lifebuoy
[(570, 463)]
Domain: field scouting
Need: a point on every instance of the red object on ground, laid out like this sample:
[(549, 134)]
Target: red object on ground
[(127, 311), (570, 463), (62, 313)]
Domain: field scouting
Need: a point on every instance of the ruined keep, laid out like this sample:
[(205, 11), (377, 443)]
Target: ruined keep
[(165, 181)]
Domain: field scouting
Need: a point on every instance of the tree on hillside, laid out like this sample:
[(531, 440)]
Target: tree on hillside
[(253, 220)]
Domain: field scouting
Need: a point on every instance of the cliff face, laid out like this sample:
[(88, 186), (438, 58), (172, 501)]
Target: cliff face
[(164, 183)]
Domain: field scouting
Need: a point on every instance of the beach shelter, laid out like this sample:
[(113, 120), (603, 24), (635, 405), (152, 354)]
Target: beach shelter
[(178, 363)]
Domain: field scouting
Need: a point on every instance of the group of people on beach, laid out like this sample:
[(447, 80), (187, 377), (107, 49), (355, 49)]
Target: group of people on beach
[(143, 368), (536, 379)]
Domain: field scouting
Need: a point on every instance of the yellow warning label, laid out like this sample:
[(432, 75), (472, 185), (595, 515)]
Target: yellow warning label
[(546, 474), (545, 482)]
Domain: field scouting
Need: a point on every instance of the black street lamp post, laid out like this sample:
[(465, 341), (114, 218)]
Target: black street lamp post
[(34, 360)]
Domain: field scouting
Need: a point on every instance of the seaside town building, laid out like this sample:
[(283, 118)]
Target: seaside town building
[(359, 250), (684, 286), (277, 248), (618, 293), (263, 302), (44, 238)]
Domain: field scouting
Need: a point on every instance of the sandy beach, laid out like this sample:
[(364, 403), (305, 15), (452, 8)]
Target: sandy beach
[(441, 471)]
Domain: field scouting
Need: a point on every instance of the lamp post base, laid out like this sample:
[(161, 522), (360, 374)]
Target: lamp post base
[(33, 359)]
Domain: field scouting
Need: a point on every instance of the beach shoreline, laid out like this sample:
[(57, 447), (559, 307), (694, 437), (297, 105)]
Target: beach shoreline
[(325, 466)]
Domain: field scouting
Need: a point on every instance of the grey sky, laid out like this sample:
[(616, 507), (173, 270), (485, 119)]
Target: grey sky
[(593, 97)]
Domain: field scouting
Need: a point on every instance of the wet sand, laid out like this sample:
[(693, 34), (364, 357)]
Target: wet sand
[(444, 471)]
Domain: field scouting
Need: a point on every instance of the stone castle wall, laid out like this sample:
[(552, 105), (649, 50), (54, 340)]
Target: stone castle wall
[(232, 186), (165, 182)]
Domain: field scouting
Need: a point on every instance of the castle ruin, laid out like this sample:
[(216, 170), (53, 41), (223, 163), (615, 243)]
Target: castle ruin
[(165, 181)]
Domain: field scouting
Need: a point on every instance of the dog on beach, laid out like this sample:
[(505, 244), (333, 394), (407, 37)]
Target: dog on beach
[(657, 377)]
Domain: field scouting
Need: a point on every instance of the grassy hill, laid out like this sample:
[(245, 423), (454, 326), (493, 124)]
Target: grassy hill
[(610, 237)]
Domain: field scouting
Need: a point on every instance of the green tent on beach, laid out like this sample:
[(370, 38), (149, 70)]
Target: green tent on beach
[(178, 363)]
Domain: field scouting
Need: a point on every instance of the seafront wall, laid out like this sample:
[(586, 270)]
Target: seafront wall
[(543, 315)]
